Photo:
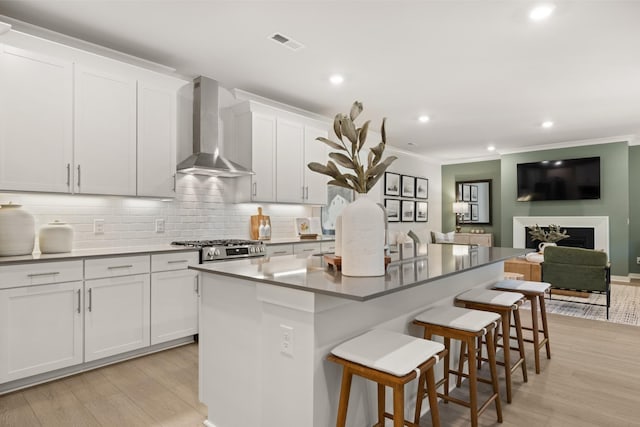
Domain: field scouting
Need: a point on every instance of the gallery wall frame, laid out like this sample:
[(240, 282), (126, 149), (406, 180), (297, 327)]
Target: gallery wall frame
[(391, 184), (392, 206)]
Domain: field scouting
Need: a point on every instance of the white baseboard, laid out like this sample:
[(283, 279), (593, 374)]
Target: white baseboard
[(625, 279), (634, 275)]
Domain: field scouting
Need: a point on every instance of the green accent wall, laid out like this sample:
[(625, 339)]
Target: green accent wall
[(615, 181), (471, 172), (634, 208)]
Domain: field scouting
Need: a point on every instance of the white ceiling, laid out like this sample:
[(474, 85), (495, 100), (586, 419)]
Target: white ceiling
[(481, 70)]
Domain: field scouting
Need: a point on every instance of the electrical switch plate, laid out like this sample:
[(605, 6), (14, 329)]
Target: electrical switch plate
[(638, 260), (286, 340), (159, 225), (98, 226)]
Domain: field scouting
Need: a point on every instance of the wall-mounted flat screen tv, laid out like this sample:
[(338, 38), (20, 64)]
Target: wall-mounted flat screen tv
[(568, 179)]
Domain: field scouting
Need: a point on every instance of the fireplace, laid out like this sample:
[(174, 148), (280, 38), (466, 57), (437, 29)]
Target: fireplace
[(598, 224), (579, 237)]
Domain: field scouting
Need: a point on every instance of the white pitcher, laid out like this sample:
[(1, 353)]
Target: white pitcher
[(543, 245)]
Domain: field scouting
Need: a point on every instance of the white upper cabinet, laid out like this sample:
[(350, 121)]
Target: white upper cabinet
[(105, 132), (315, 184), (156, 140), (263, 146), (289, 158), (36, 117)]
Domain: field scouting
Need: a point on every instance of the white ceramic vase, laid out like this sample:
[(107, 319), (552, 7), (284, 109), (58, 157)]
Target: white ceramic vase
[(338, 241), (363, 238), (17, 231), (542, 245), (55, 237)]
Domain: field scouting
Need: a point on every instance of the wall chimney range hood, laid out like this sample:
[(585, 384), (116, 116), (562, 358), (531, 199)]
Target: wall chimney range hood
[(206, 158)]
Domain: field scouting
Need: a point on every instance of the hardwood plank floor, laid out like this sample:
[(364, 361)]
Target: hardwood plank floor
[(593, 379)]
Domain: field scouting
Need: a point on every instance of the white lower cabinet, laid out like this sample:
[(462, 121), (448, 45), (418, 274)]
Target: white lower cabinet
[(307, 248), (40, 329), (116, 315), (174, 305)]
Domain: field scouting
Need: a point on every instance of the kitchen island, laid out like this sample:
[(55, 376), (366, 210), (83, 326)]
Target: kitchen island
[(267, 325)]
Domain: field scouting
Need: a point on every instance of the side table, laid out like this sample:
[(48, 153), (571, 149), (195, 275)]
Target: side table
[(532, 271)]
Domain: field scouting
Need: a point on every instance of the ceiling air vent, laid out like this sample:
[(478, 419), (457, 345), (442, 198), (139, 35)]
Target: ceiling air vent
[(286, 41)]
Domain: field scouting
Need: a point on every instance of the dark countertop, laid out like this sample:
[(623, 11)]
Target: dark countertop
[(311, 273), (92, 253)]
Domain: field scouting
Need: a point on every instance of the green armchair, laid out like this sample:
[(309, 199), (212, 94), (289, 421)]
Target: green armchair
[(577, 269)]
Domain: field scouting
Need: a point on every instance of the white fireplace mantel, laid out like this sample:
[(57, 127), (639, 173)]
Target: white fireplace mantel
[(600, 224)]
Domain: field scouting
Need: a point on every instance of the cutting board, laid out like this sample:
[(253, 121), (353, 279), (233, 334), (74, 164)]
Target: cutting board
[(255, 223)]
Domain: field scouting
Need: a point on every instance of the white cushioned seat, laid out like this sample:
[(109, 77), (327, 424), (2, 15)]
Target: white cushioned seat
[(523, 285), (488, 296), (390, 352), (457, 317)]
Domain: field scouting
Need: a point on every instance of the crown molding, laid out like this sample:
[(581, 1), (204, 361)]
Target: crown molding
[(629, 139)]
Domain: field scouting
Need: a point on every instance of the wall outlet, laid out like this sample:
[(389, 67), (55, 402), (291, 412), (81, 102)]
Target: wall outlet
[(98, 226), (286, 340), (159, 225), (638, 260)]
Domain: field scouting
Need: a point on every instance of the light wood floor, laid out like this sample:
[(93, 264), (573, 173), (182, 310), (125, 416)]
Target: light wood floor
[(593, 379)]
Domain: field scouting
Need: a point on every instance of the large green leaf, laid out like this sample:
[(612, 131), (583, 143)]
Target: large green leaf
[(336, 126), (383, 131), (356, 109), (330, 143), (344, 184), (377, 151), (362, 133), (349, 130), (370, 159), (374, 174), (332, 166), (342, 160), (320, 168)]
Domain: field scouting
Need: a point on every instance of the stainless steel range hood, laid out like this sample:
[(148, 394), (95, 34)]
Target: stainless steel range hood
[(206, 158)]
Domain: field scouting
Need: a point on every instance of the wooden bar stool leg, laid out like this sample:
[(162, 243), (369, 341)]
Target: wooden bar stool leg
[(381, 404), (473, 382), (433, 399), (345, 390), (543, 314), (507, 352), (518, 323), (536, 332), (447, 366), (479, 345), (419, 398), (491, 354), (463, 348), (398, 405)]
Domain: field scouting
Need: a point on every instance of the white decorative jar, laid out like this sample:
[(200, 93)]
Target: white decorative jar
[(17, 231), (363, 238), (542, 245), (55, 237)]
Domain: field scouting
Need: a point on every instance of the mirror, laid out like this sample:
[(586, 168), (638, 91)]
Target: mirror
[(478, 195)]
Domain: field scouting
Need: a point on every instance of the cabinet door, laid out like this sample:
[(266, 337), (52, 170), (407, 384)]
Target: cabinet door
[(279, 250), (315, 184), (461, 238), (481, 239), (174, 305), (35, 121), (307, 248), (40, 329), (105, 133), (289, 159), (156, 140), (263, 129), (116, 315)]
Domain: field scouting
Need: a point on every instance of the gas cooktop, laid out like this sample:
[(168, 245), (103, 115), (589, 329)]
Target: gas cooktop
[(222, 249)]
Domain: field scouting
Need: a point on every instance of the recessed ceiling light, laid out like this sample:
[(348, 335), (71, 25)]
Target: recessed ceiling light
[(336, 79), (541, 12), (548, 124), (558, 162), (491, 148), (544, 162), (423, 119)]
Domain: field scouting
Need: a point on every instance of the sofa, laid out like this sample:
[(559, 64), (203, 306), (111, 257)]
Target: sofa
[(577, 269)]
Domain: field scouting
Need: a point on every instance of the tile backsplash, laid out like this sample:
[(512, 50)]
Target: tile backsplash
[(199, 211)]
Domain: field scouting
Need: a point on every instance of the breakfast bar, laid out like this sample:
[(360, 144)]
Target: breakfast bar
[(268, 324)]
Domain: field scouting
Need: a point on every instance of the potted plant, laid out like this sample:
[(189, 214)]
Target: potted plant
[(547, 238), (363, 221)]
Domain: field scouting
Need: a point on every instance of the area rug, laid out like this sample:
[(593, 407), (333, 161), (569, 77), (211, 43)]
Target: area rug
[(625, 305)]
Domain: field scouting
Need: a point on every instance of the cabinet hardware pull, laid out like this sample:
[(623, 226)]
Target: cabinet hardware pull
[(174, 183), (68, 174), (255, 189), (90, 300), (306, 189), (113, 267), (177, 261), (78, 176), (279, 252), (303, 192), (308, 250), (197, 285), (43, 274), (78, 301)]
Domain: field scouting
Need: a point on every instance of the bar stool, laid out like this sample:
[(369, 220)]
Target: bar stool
[(504, 304), (534, 292), (390, 359), (466, 326)]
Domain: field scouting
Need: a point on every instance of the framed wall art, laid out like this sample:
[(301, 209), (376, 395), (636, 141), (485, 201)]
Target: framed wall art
[(391, 184), (422, 214), (408, 210), (408, 186), (393, 209), (422, 188)]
